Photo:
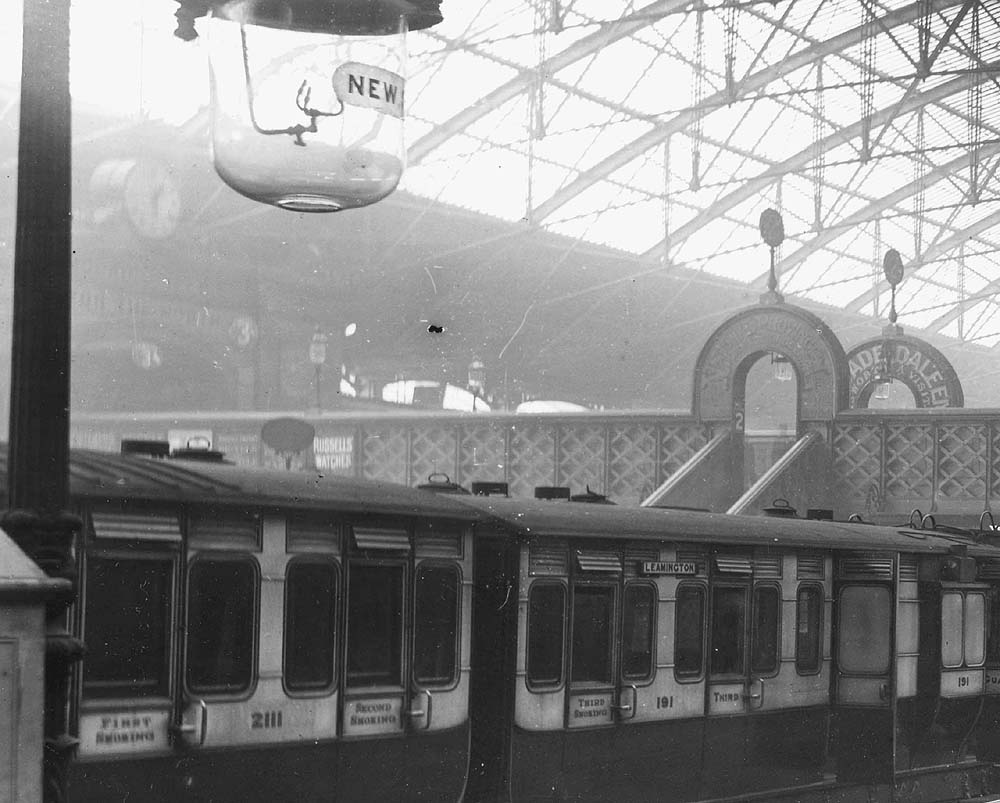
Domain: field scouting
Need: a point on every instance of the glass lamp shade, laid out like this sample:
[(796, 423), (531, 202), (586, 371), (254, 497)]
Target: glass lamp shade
[(477, 376), (782, 368), (306, 121)]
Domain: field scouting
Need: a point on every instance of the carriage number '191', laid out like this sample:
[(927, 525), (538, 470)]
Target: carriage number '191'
[(665, 702), (265, 719)]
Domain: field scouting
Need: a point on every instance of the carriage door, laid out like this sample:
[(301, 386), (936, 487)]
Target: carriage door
[(405, 673), (743, 682), (612, 623), (864, 656), (130, 593), (230, 687), (988, 731)]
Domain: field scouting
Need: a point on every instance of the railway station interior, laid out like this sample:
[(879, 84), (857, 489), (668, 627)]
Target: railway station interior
[(736, 256), (579, 216)]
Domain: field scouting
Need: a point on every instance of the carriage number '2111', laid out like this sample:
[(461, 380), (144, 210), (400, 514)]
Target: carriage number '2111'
[(265, 719)]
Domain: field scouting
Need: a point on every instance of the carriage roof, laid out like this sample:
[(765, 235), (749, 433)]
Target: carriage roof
[(100, 476), (563, 519)]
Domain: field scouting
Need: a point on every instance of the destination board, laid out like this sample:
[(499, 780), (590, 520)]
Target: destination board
[(668, 567)]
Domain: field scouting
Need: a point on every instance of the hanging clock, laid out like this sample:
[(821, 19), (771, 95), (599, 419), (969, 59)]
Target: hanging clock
[(152, 199)]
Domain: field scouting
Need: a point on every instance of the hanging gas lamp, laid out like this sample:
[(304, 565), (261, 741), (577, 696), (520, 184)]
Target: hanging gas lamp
[(772, 232), (307, 96), (892, 269)]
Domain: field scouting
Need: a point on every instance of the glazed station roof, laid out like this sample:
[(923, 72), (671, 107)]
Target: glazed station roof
[(584, 184)]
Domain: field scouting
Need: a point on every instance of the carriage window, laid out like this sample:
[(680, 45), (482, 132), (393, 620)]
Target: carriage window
[(546, 614), (222, 620), (310, 625), (963, 629), (375, 625), (637, 638), (593, 617), (435, 639), (951, 629), (975, 629), (864, 637), (728, 630), (766, 607), (689, 630), (128, 627), (809, 611), (993, 628)]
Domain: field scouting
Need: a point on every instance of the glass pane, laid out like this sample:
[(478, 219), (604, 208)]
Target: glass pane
[(546, 614), (766, 607), (221, 623), (975, 629), (864, 639), (809, 609), (435, 641), (593, 612), (375, 626), (993, 628), (728, 630), (689, 631), (637, 638), (951, 629), (128, 627), (310, 625)]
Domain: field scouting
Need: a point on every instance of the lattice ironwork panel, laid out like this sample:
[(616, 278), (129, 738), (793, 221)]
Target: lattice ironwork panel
[(484, 454), (962, 454), (677, 445), (432, 451), (532, 458), (582, 455), (995, 473), (857, 464), (631, 462), (384, 454), (909, 461)]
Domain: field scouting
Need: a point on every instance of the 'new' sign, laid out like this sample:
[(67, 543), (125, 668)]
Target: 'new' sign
[(368, 86)]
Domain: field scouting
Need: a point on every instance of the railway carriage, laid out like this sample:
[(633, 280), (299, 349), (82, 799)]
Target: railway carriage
[(268, 636), (261, 636), (672, 655)]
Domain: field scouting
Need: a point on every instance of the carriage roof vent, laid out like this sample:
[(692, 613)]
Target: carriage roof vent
[(200, 449), (591, 496), (145, 448), (202, 455), (484, 488), (551, 492), (441, 483)]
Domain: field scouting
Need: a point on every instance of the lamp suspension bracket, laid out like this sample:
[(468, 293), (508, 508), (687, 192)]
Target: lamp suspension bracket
[(348, 17)]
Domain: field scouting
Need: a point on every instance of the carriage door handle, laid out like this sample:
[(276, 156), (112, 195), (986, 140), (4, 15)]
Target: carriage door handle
[(423, 715), (626, 710), (756, 698), (182, 729)]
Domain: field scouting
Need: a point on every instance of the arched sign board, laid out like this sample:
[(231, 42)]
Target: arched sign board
[(922, 368), (802, 337)]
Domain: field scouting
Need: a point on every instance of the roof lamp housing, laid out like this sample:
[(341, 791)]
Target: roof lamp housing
[(307, 101)]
